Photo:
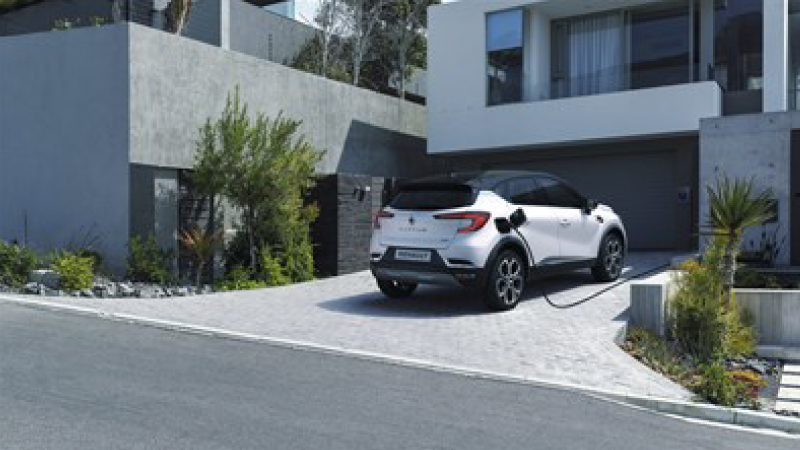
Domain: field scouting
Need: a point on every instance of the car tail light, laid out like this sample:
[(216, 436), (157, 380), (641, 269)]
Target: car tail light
[(382, 214), (477, 220)]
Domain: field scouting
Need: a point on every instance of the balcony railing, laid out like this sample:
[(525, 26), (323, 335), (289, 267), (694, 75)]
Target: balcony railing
[(612, 79)]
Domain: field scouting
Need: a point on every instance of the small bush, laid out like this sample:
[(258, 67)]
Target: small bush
[(273, 272), (147, 262), (16, 262), (656, 353), (704, 326), (239, 279), (717, 386), (696, 310), (740, 335), (76, 273), (95, 256)]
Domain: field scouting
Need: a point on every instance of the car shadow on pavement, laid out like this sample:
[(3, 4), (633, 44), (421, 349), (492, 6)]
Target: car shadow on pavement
[(430, 302)]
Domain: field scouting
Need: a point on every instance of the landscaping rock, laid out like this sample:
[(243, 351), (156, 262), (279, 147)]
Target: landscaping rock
[(759, 366), (125, 290), (33, 288), (146, 291), (87, 293), (47, 278), (181, 291)]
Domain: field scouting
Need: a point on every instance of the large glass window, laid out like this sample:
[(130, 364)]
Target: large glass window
[(660, 43), (794, 53), (738, 43), (504, 47), (634, 48)]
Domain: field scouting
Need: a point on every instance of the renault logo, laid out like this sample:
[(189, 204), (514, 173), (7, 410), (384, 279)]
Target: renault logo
[(411, 220)]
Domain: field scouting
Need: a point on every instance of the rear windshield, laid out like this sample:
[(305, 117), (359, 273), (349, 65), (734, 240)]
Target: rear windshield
[(433, 197)]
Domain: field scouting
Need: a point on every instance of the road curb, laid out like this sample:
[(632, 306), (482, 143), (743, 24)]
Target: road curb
[(699, 411)]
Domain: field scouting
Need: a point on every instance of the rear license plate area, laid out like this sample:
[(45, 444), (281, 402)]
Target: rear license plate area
[(402, 254)]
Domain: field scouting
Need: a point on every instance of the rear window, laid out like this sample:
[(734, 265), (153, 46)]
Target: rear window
[(433, 197)]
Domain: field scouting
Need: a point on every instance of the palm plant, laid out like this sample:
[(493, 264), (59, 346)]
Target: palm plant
[(201, 246), (734, 205)]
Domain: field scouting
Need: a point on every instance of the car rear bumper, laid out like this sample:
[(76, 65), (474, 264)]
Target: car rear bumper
[(434, 272)]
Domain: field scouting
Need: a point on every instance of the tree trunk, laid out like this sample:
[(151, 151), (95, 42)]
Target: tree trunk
[(211, 227), (402, 80), (729, 268), (251, 237), (199, 280)]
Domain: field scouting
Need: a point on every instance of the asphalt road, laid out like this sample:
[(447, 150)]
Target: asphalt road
[(69, 382)]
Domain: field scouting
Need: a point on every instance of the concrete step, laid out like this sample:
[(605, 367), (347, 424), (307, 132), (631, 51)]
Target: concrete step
[(790, 380), (781, 405), (791, 368), (789, 393)]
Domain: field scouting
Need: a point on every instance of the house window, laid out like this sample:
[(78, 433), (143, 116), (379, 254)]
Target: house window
[(739, 28), (661, 38), (794, 53), (589, 53), (642, 47), (504, 48)]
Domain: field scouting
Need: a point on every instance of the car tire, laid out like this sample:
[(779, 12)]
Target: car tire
[(610, 258), (506, 281), (396, 289)]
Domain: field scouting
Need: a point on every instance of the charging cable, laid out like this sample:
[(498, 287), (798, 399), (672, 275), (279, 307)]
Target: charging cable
[(617, 284)]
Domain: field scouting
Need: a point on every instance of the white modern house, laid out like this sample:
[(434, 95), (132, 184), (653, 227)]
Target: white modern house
[(639, 103)]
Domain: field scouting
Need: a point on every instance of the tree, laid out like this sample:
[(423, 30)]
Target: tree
[(363, 16), (734, 206), (330, 15), (178, 14), (405, 22), (264, 168)]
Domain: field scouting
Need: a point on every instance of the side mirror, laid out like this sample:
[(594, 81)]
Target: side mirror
[(518, 218), (589, 205)]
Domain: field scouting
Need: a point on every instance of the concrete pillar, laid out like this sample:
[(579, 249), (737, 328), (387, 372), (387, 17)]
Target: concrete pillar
[(537, 56), (225, 24), (776, 55), (706, 39)]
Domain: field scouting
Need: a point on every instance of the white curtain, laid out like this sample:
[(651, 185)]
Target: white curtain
[(597, 54)]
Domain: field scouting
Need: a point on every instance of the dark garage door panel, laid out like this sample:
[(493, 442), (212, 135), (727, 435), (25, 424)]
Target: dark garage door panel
[(641, 187)]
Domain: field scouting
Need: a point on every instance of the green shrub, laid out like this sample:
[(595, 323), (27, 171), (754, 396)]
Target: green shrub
[(697, 318), (740, 336), (272, 270), (76, 273), (147, 262), (239, 279), (656, 353), (717, 386), (16, 262)]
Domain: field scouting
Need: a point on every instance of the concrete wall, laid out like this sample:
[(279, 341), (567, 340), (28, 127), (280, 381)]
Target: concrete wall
[(176, 84), (266, 35), (64, 139), (776, 314), (754, 146)]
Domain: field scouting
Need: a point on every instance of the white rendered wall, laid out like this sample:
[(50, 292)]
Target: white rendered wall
[(459, 120)]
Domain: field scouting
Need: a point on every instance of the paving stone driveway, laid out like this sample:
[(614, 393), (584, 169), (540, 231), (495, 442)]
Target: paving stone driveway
[(436, 325)]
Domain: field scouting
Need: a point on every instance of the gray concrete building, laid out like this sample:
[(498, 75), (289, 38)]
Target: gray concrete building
[(98, 125)]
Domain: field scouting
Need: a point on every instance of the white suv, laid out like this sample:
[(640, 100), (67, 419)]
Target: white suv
[(492, 230)]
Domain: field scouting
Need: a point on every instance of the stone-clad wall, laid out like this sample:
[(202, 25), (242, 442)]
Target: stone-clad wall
[(342, 233)]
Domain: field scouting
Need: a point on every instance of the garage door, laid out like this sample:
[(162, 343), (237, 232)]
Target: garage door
[(641, 187)]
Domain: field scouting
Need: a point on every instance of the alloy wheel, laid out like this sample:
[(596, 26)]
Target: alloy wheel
[(509, 281)]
